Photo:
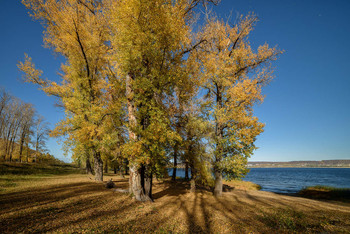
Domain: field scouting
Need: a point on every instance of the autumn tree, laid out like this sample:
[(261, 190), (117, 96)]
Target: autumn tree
[(233, 75), (80, 154), (184, 111), (134, 72), (26, 129), (41, 132), (5, 100), (115, 134), (151, 39), (13, 118), (195, 147), (77, 31), (144, 38), (17, 120)]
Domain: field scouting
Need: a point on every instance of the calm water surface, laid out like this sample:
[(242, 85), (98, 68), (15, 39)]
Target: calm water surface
[(291, 180)]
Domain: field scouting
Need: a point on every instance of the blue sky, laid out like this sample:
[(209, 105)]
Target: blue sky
[(307, 106)]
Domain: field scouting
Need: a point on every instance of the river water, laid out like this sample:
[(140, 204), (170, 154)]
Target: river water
[(292, 180)]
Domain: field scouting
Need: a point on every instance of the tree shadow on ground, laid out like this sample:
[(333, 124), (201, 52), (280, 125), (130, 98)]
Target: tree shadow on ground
[(37, 169), (171, 188), (90, 207)]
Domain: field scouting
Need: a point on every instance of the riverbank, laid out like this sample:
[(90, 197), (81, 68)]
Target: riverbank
[(326, 193), (68, 203)]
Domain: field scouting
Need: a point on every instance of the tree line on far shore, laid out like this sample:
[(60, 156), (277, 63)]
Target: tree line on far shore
[(23, 133), (152, 82)]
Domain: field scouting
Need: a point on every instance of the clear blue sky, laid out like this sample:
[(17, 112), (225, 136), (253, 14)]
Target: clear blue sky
[(307, 106)]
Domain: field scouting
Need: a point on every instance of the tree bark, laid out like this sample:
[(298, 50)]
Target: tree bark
[(219, 147), (7, 139), (12, 144), (27, 145), (186, 171), (98, 166), (175, 163), (36, 150), (21, 143), (88, 167), (106, 167), (137, 173), (21, 150), (218, 183), (120, 171), (126, 167), (137, 182), (146, 181), (193, 179)]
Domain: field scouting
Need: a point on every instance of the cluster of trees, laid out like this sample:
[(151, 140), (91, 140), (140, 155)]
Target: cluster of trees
[(148, 82), (20, 129)]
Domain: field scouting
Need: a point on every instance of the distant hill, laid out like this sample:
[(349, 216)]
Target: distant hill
[(323, 163)]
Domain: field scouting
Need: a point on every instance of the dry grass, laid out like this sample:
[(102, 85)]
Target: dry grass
[(75, 203), (243, 185)]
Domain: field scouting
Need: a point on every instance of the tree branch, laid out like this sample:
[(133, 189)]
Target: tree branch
[(84, 4), (193, 47), (240, 34)]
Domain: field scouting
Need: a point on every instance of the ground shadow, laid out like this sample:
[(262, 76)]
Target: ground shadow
[(90, 207)]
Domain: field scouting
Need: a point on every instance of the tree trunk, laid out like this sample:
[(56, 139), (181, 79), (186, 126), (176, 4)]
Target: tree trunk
[(36, 150), (120, 171), (219, 147), (27, 144), (115, 170), (137, 184), (146, 181), (21, 145), (193, 179), (126, 167), (136, 181), (131, 178), (7, 140), (12, 144), (186, 171), (175, 163), (218, 183), (98, 166), (106, 167), (88, 167)]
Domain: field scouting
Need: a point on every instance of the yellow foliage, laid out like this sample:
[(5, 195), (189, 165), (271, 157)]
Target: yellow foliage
[(135, 68)]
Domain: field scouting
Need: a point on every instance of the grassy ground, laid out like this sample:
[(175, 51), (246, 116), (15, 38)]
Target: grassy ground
[(14, 176), (73, 202)]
